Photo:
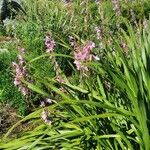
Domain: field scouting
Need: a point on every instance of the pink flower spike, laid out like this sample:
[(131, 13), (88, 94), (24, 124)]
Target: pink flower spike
[(45, 116), (145, 23), (23, 50), (42, 104), (91, 45), (83, 56), (49, 44), (24, 91), (21, 60)]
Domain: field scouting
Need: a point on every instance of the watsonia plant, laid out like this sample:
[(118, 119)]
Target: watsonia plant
[(107, 110)]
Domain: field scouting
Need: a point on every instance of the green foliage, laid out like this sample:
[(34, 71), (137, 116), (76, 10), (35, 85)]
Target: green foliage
[(106, 109), (95, 117), (141, 9)]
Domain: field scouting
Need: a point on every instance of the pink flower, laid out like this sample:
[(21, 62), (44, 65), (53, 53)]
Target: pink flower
[(78, 64), (17, 81), (46, 102), (98, 33), (23, 90), (72, 41), (145, 24), (83, 56), (42, 104), (45, 116), (21, 60), (24, 71), (21, 50), (18, 74), (49, 44)]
